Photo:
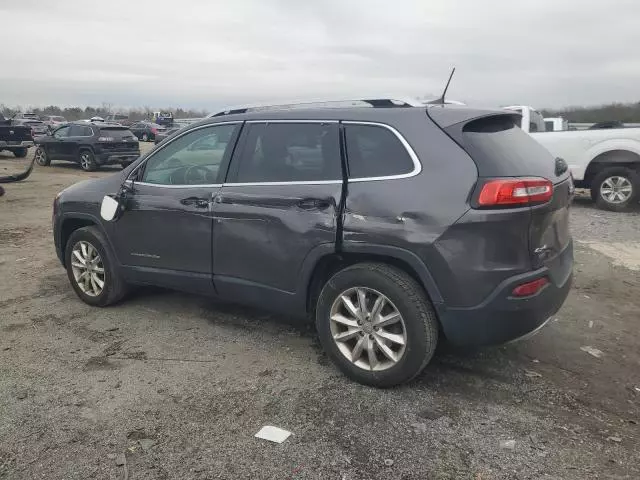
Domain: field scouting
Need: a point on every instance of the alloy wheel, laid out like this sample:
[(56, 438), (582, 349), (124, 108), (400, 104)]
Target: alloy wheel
[(368, 329), (41, 157), (616, 189), (85, 161), (87, 268)]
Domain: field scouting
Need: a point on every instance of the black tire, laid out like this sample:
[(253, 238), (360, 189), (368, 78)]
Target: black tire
[(114, 288), (145, 137), (87, 160), (42, 158), (411, 302), (599, 181), (20, 152)]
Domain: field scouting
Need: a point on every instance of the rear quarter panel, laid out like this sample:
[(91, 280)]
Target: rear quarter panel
[(413, 213)]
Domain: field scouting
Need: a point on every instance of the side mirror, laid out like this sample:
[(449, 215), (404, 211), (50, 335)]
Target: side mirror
[(109, 208)]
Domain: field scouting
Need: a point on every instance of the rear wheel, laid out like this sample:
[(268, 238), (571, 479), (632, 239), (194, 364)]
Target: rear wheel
[(41, 157), (20, 152), (92, 269), (615, 188), (88, 161), (376, 324)]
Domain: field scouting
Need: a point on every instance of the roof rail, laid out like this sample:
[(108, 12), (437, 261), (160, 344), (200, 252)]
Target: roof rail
[(369, 102)]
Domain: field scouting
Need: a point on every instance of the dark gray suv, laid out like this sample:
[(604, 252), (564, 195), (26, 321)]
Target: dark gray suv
[(392, 226)]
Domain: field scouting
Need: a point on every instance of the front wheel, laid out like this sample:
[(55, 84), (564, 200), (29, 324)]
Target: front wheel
[(615, 188), (91, 269), (145, 137), (88, 161), (41, 157), (376, 324)]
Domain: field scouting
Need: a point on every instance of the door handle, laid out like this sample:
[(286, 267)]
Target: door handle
[(314, 203), (195, 202)]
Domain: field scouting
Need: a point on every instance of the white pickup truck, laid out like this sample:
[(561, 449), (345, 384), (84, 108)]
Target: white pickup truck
[(607, 161)]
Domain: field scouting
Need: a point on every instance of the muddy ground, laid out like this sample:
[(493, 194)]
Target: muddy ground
[(177, 385)]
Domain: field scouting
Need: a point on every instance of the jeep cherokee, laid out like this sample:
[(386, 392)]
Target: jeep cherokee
[(392, 225)]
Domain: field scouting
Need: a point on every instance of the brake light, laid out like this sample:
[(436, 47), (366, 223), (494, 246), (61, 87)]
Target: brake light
[(515, 191), (530, 288)]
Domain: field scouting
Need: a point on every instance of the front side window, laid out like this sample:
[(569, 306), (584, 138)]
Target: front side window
[(375, 151), (290, 152), (62, 132), (191, 159)]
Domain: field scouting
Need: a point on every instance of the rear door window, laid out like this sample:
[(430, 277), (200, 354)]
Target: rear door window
[(78, 131), (375, 151), (289, 152)]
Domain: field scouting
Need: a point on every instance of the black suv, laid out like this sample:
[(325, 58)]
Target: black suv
[(89, 144), (392, 227)]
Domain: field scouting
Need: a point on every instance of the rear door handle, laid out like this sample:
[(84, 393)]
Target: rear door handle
[(314, 203), (195, 202)]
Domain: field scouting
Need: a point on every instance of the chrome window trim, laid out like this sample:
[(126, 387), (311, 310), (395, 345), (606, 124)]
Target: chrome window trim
[(163, 145), (280, 120), (417, 166)]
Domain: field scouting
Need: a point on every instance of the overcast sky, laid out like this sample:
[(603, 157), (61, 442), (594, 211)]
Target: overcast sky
[(206, 53)]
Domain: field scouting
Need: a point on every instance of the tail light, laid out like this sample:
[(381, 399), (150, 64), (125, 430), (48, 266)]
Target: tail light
[(530, 288), (503, 192), (154, 130)]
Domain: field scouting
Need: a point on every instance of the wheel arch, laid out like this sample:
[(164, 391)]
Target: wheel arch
[(329, 263), (612, 158), (70, 224)]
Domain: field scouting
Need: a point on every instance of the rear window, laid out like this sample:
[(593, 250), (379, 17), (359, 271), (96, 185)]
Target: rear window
[(116, 133), (499, 147), (374, 151)]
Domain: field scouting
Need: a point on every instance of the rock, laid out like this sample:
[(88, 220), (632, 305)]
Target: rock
[(22, 395), (388, 462), (419, 427), (121, 459), (112, 329), (146, 444), (594, 352), (4, 349), (614, 439), (507, 444)]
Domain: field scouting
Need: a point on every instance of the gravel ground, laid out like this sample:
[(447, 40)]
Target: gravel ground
[(176, 385)]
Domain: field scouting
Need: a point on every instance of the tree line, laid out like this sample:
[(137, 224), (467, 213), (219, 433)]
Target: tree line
[(80, 113), (623, 112)]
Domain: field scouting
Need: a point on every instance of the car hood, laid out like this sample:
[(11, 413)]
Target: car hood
[(87, 195)]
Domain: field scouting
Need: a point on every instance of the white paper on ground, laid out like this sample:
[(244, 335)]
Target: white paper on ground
[(273, 434)]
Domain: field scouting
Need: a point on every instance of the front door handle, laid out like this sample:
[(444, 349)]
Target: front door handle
[(313, 203), (195, 202)]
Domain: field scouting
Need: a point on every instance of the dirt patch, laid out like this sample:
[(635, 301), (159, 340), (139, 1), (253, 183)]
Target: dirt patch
[(99, 363)]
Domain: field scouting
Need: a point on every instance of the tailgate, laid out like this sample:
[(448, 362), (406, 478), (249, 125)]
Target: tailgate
[(15, 133), (549, 235), (501, 149)]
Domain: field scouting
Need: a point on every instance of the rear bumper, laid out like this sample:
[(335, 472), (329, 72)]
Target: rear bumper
[(24, 144), (502, 318), (107, 158)]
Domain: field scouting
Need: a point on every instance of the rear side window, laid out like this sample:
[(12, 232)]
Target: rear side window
[(290, 152), (80, 131), (374, 151)]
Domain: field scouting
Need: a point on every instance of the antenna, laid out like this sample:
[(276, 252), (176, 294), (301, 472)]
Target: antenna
[(440, 101)]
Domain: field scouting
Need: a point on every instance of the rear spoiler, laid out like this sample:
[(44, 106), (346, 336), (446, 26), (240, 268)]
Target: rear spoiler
[(447, 115)]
